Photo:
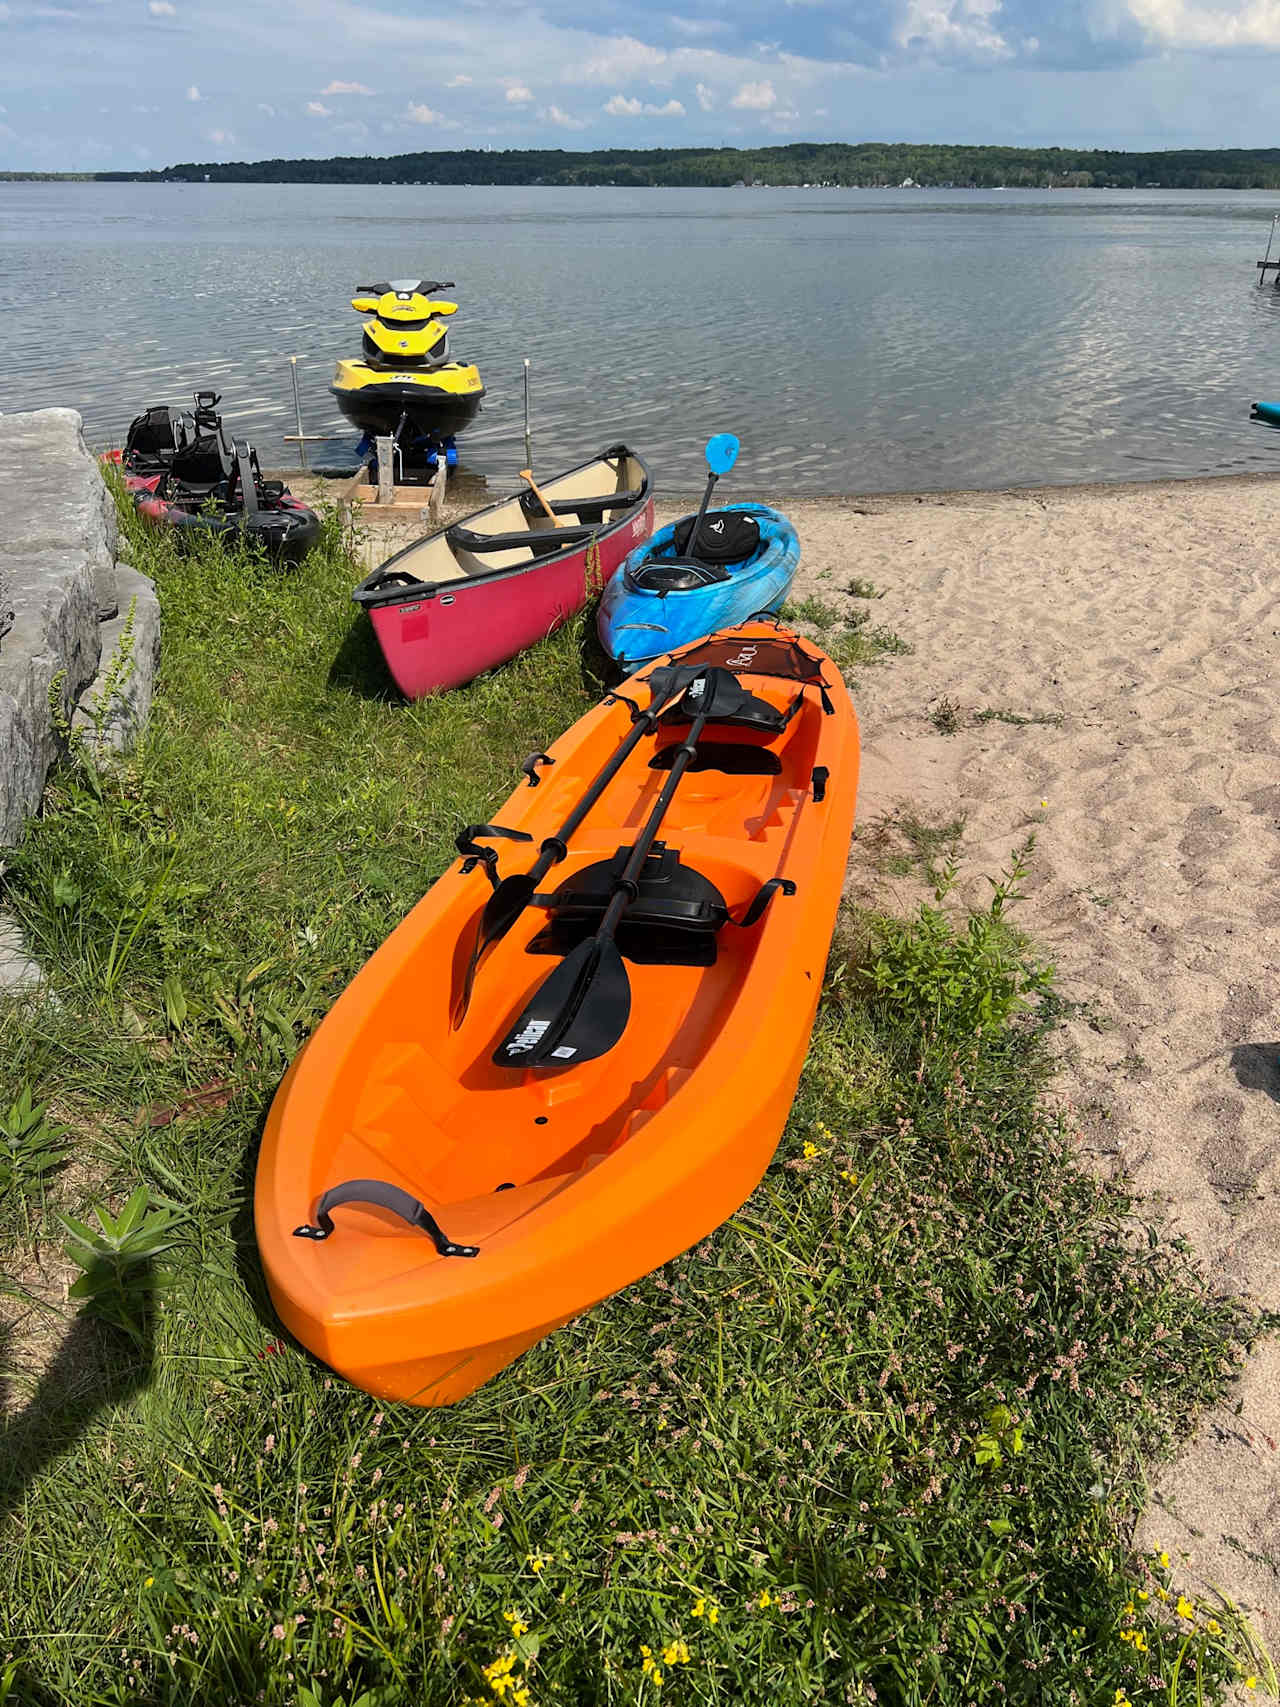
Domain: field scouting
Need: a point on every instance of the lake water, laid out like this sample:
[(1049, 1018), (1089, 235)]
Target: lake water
[(854, 340)]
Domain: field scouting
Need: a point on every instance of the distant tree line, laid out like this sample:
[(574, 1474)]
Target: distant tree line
[(865, 165)]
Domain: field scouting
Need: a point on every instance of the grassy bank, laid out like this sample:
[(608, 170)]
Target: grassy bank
[(880, 1438)]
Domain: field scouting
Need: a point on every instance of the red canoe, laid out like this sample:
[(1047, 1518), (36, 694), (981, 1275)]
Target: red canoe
[(471, 596)]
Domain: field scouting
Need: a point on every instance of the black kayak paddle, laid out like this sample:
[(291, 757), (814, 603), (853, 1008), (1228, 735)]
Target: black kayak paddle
[(581, 1009), (514, 893)]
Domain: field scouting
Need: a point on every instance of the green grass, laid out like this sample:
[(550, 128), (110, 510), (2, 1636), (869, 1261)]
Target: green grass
[(881, 1437)]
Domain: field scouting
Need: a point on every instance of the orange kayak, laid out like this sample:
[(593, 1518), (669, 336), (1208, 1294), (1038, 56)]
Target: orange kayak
[(553, 1078)]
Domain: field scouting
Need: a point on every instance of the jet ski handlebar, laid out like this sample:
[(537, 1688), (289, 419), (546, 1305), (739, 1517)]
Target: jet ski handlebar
[(388, 286)]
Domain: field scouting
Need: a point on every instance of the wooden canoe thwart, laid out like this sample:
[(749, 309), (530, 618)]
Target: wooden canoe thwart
[(465, 1156), (465, 599)]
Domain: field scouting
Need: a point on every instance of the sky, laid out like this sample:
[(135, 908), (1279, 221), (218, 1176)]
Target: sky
[(96, 84)]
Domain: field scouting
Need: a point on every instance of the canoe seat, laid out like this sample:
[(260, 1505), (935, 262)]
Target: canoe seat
[(586, 509), (542, 543)]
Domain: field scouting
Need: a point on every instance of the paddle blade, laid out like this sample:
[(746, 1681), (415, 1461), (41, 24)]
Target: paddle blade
[(578, 1012), (501, 911), (722, 453)]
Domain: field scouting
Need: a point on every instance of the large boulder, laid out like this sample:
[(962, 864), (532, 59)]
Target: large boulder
[(58, 574)]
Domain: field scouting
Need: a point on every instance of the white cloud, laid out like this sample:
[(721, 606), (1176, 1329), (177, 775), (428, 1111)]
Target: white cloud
[(627, 107), (318, 110), (458, 82), (193, 94), (623, 59), (268, 110), (346, 89), (1184, 23), (965, 27), (759, 97), (554, 115), (517, 94), (706, 98), (417, 112), (161, 9)]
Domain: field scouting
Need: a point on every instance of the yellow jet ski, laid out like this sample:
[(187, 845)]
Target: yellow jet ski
[(404, 384)]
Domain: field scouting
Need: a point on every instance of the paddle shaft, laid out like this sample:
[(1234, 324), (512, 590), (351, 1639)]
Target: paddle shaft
[(690, 549), (553, 848), (624, 889), (527, 474)]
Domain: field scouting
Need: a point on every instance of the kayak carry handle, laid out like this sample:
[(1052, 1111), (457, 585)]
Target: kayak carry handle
[(382, 1195)]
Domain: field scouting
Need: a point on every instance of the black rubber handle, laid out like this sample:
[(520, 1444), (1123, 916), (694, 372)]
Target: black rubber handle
[(383, 1196)]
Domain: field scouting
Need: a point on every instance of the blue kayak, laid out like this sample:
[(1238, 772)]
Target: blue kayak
[(746, 559), (1268, 412)]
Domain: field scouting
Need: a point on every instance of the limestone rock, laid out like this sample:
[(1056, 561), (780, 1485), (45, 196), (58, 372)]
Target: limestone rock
[(115, 706), (56, 499)]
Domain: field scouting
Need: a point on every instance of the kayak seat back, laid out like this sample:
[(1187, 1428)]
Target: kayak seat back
[(672, 920)]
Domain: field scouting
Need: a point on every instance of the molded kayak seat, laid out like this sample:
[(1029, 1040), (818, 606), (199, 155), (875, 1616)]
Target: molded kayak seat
[(672, 921)]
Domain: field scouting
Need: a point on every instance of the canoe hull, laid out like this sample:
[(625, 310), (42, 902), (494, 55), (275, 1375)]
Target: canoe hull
[(437, 636), (574, 1181), (636, 626)]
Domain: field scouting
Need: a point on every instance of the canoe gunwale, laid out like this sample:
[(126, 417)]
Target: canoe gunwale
[(370, 595)]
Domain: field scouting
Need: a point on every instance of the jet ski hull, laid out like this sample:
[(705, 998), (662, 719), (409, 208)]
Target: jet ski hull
[(439, 403)]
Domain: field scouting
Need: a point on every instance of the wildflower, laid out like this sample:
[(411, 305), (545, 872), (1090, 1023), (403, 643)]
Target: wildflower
[(1185, 1608), (1044, 803), (1213, 1627), (1143, 1595), (766, 1599), (536, 1562), (675, 1654), (522, 1698), (277, 1630), (1251, 1682), (703, 1608), (1122, 1700), (649, 1666), (518, 1626), (1162, 1559), (148, 1582), (810, 1150), (849, 1179)]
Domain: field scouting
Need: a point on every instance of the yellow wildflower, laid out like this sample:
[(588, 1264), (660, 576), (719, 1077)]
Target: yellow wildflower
[(536, 1561), (851, 1179), (649, 1666), (522, 1698), (1185, 1608), (1251, 1682), (518, 1625), (1122, 1700), (1163, 1561), (148, 1582), (1143, 1595), (810, 1150), (1213, 1627), (766, 1599), (675, 1654), (1128, 1611), (1139, 1642)]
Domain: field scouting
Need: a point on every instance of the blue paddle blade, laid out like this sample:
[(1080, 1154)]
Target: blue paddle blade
[(722, 453)]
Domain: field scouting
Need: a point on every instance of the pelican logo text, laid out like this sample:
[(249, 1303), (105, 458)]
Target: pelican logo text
[(742, 660), (529, 1038), (717, 527)]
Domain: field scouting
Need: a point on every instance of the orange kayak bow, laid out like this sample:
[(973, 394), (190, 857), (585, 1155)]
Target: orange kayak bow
[(478, 1144)]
